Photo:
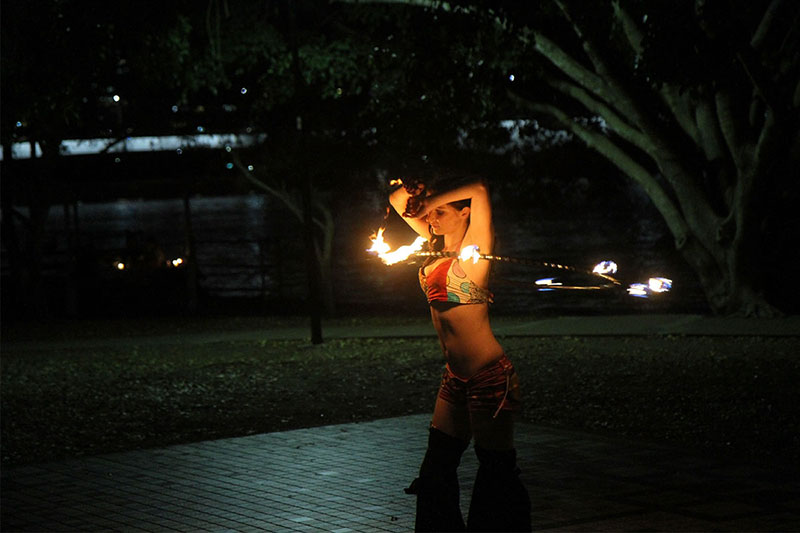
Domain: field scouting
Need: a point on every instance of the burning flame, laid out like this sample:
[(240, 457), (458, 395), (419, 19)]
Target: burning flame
[(547, 281), (639, 290), (547, 284), (659, 284), (397, 181), (605, 267), (653, 285), (470, 252), (383, 250)]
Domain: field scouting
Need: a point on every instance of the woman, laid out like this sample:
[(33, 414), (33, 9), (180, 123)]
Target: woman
[(479, 392)]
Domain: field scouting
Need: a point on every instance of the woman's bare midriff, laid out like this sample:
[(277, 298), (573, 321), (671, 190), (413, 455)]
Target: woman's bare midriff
[(466, 338)]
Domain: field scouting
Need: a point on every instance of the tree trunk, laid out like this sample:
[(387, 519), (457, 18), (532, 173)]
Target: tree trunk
[(730, 287), (324, 258), (39, 205), (10, 236), (191, 257)]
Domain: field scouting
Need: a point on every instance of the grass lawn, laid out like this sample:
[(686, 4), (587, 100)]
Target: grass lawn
[(732, 395)]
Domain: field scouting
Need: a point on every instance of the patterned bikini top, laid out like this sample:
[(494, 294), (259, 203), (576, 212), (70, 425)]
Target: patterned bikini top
[(449, 283)]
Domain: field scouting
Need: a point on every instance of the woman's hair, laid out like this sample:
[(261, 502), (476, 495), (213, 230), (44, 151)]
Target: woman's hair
[(443, 183)]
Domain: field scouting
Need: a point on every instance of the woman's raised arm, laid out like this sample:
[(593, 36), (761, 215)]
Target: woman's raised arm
[(399, 200), (480, 231)]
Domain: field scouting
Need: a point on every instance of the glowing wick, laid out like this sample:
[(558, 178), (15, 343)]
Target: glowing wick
[(605, 267), (547, 281), (470, 252), (653, 285), (639, 290), (383, 250), (659, 284)]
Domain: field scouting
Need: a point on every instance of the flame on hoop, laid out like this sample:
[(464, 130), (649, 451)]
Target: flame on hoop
[(470, 252), (547, 284), (396, 181), (659, 284), (605, 267), (389, 257), (653, 285)]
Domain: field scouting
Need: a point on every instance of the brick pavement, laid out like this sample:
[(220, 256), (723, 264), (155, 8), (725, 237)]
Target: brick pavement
[(349, 478)]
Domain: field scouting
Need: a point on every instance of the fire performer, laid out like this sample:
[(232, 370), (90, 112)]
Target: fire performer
[(479, 391)]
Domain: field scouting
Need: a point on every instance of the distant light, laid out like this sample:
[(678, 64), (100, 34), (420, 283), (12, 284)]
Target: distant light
[(19, 124), (228, 148), (244, 90), (177, 262), (229, 166), (117, 160), (510, 77), (174, 109), (200, 129), (116, 98), (179, 151), (120, 265), (250, 167)]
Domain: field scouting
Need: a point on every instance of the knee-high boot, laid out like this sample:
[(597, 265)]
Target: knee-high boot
[(437, 485), (500, 501)]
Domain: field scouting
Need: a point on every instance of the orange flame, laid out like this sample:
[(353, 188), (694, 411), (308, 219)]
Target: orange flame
[(389, 257)]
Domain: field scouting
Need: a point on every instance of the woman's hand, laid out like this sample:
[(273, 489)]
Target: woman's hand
[(416, 207), (414, 187), (416, 204), (409, 201)]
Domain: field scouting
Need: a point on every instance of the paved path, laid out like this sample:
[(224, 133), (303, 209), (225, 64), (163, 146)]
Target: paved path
[(349, 478)]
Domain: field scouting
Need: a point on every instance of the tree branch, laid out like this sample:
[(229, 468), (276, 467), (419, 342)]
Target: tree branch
[(671, 158), (671, 96), (682, 111), (626, 164), (731, 129), (711, 140), (766, 24), (281, 194), (634, 35), (572, 68), (614, 121)]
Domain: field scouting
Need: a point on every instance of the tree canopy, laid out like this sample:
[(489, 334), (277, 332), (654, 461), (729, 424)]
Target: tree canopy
[(696, 101)]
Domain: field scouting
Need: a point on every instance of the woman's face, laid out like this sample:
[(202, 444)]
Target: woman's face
[(447, 219)]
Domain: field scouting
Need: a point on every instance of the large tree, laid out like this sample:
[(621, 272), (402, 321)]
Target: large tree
[(697, 101), (368, 89)]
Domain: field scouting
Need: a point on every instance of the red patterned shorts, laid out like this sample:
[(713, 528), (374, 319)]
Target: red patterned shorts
[(494, 388)]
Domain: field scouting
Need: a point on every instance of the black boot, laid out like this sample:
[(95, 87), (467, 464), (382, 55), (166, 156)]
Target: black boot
[(500, 501), (436, 487)]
